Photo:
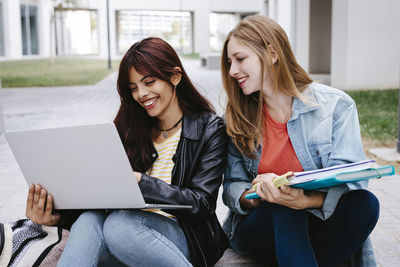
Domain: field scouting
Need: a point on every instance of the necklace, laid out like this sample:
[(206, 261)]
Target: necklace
[(165, 131)]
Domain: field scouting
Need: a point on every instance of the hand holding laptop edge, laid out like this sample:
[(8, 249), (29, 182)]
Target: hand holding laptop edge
[(39, 206)]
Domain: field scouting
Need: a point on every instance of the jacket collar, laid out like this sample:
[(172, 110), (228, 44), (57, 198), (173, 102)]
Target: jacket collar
[(190, 127), (300, 107)]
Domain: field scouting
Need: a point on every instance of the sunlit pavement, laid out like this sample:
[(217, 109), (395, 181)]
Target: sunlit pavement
[(35, 108)]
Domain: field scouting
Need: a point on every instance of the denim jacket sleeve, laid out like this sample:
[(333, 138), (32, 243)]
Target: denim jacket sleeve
[(346, 148), (236, 180)]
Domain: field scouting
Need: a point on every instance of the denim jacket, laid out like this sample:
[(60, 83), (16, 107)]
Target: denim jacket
[(323, 134)]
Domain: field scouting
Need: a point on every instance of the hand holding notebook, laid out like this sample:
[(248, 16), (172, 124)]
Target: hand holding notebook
[(332, 176)]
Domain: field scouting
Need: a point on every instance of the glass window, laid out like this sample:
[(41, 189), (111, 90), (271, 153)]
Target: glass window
[(220, 25), (24, 30), (29, 30), (173, 27), (1, 30), (77, 32), (33, 30)]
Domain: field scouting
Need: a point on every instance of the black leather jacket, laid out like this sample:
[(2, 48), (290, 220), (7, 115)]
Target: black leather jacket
[(196, 177)]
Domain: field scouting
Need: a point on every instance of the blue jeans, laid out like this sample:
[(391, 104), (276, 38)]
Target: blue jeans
[(278, 235), (125, 237)]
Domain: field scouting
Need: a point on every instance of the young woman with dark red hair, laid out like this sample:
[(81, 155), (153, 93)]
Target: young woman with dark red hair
[(177, 148)]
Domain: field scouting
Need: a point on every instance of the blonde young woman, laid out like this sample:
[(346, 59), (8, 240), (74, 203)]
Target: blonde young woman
[(279, 120)]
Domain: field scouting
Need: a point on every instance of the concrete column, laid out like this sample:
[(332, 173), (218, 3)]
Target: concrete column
[(1, 113), (44, 24), (103, 31), (339, 48), (201, 29), (284, 17), (264, 11), (12, 34), (113, 32), (302, 29)]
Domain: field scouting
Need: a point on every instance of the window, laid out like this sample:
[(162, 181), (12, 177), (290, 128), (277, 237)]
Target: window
[(76, 32), (173, 27), (30, 44), (220, 25)]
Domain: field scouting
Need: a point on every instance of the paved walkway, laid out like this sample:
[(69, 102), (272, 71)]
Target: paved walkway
[(34, 108)]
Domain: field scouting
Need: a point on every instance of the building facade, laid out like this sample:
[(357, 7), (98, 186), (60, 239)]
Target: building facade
[(355, 41), (44, 28)]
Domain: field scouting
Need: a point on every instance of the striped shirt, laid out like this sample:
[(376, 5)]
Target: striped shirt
[(162, 167)]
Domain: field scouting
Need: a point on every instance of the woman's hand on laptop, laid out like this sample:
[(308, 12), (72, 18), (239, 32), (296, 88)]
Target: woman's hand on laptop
[(39, 206)]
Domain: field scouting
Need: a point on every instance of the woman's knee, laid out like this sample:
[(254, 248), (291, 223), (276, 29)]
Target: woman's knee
[(362, 204), (266, 209), (266, 215), (120, 226), (88, 221), (86, 238)]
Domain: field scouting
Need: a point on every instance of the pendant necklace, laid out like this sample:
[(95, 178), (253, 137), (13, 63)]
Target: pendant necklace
[(165, 131)]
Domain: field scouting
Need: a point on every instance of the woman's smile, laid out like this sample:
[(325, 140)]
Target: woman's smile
[(149, 103), (242, 80)]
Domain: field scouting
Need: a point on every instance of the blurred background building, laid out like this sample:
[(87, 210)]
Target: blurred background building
[(357, 42)]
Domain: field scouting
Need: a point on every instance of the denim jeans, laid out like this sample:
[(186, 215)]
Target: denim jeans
[(132, 238), (278, 235)]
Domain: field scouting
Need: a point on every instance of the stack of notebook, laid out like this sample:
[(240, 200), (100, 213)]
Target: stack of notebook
[(332, 176)]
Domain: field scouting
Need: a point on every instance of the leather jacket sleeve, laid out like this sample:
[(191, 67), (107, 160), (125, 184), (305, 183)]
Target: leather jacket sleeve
[(201, 163)]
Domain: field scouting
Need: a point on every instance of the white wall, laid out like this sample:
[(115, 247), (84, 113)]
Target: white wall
[(237, 6), (365, 44)]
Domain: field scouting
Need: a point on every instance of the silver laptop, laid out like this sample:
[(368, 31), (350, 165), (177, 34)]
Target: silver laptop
[(83, 167)]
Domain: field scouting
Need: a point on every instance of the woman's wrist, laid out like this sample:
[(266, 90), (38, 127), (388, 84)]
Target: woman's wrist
[(315, 199)]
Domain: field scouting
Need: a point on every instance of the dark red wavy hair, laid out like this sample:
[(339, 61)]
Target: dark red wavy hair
[(156, 58)]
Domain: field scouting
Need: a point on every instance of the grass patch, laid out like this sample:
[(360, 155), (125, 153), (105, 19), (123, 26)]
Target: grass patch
[(57, 72), (378, 113), (191, 56)]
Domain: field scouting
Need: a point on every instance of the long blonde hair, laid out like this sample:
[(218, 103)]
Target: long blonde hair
[(244, 114)]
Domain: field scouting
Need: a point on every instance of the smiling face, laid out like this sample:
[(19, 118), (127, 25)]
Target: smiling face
[(156, 96), (245, 66)]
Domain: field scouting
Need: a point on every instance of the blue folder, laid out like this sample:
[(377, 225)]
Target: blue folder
[(340, 178), (371, 173)]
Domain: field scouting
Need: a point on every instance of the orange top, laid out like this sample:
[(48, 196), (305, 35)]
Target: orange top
[(278, 155)]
